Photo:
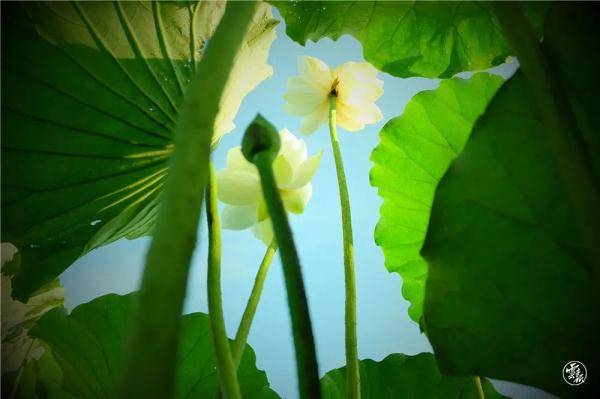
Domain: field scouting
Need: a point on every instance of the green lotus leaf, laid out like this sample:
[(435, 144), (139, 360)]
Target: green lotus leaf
[(513, 284), (88, 343), (403, 376), (90, 99), (414, 152), (408, 38)]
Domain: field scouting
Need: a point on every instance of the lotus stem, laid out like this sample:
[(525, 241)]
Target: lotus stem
[(226, 369), (479, 387), (244, 328), (260, 146), (306, 357), (352, 368)]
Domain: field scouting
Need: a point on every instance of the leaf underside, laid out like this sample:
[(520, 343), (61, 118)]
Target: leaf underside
[(402, 376), (407, 38), (414, 152), (90, 98), (87, 345), (513, 291)]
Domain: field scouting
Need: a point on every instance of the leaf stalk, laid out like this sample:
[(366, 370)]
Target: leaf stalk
[(151, 351)]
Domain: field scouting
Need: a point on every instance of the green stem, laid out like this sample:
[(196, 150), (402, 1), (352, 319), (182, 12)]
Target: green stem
[(352, 369), (244, 328), (479, 387), (562, 132), (306, 358), (150, 358), (226, 368)]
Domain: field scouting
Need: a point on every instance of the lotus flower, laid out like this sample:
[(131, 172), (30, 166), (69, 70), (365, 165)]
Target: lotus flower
[(354, 84)]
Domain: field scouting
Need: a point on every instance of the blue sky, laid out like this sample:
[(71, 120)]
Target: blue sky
[(383, 323)]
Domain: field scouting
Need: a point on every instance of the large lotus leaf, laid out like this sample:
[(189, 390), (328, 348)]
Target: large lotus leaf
[(573, 49), (414, 152), (402, 376), (513, 291), (90, 97), (88, 343), (407, 38)]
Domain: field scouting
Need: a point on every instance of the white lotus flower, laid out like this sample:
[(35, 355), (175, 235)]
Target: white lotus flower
[(354, 84), (239, 186)]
